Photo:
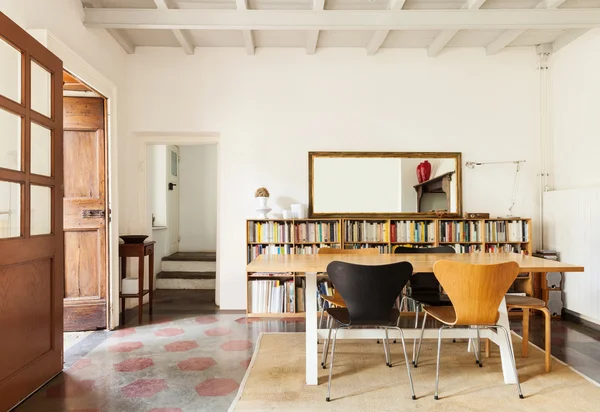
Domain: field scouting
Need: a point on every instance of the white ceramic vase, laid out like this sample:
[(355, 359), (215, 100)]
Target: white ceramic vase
[(261, 202), (262, 208)]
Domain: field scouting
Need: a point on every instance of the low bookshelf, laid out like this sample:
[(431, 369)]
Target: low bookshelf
[(282, 294)]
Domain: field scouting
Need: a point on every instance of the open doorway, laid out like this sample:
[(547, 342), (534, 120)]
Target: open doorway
[(181, 200), (86, 212)]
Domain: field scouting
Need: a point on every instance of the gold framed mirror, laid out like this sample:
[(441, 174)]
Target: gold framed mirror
[(384, 184)]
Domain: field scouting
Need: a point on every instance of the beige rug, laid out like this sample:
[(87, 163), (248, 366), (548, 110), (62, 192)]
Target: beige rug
[(361, 381)]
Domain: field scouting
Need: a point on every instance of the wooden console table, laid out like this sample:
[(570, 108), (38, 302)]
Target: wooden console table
[(139, 250)]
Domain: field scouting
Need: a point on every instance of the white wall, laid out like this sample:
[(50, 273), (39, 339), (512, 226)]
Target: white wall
[(198, 198), (272, 108), (575, 88), (571, 213), (156, 167)]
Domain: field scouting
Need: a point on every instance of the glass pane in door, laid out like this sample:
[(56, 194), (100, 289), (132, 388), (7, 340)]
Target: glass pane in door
[(10, 140), (10, 209), (41, 210), (41, 89), (41, 150), (10, 75)]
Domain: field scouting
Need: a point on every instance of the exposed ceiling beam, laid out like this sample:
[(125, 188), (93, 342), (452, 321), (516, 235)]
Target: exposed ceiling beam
[(567, 38), (312, 37), (182, 37), (442, 39), (380, 35), (342, 19), (246, 34), (503, 40), (507, 37), (125, 43)]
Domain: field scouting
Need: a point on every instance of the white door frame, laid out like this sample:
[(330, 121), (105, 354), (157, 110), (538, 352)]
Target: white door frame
[(176, 139), (76, 65)]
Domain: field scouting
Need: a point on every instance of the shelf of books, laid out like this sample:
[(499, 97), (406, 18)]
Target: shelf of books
[(282, 294)]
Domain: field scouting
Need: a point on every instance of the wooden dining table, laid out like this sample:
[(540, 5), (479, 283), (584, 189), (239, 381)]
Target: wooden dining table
[(310, 265)]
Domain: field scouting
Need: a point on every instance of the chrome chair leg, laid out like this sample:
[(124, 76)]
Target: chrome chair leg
[(385, 350), (416, 327), (331, 366), (512, 358), (437, 371), (412, 388), (389, 353), (326, 343), (416, 359), (400, 310)]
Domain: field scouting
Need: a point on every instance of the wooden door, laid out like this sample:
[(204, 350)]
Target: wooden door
[(85, 213), (31, 239)]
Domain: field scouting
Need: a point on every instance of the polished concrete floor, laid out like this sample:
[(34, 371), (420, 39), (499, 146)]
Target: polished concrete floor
[(192, 357)]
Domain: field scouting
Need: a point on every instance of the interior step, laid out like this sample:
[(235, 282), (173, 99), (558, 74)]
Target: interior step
[(192, 257), (185, 280), (188, 266)]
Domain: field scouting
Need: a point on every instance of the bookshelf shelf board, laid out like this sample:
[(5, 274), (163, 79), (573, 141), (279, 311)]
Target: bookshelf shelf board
[(506, 243), (276, 315), (412, 243), (461, 243), (269, 276), (317, 243), (366, 243), (270, 243)]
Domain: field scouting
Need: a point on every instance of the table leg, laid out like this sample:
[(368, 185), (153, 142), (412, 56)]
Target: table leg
[(141, 288), (150, 281), (310, 300), (507, 369)]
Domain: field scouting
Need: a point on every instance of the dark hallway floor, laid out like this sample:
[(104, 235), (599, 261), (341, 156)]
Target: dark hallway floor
[(190, 356)]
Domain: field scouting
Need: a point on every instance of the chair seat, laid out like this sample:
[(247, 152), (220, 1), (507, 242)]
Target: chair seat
[(335, 300), (513, 301), (343, 316), (445, 314), (430, 298)]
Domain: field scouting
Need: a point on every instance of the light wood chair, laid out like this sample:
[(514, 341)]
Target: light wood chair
[(527, 303), (475, 291)]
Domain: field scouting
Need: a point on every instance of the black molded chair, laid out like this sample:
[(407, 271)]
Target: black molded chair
[(424, 289), (370, 293)]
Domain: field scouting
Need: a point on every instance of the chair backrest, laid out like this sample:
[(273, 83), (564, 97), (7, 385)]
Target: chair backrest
[(334, 251), (424, 282), (475, 290), (369, 291)]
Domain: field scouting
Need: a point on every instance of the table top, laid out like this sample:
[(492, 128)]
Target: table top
[(422, 262)]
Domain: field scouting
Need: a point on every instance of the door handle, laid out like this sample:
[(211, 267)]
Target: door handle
[(93, 213)]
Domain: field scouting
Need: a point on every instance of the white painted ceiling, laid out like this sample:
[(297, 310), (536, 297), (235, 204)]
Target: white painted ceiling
[(493, 39)]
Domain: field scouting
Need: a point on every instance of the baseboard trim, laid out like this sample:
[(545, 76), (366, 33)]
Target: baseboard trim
[(576, 318)]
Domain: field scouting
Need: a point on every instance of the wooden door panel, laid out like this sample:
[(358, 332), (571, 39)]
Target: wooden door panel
[(85, 214), (82, 264), (24, 290), (83, 113), (85, 148), (31, 265)]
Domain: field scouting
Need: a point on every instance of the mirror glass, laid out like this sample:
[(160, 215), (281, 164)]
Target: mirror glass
[(385, 184)]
